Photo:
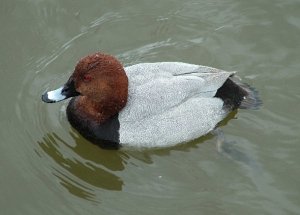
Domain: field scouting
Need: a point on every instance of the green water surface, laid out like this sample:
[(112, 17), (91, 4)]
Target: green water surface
[(47, 168)]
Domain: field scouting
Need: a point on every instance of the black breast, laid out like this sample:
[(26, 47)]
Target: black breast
[(106, 134)]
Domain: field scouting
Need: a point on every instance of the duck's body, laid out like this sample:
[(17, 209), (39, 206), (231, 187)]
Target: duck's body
[(170, 103), (167, 103)]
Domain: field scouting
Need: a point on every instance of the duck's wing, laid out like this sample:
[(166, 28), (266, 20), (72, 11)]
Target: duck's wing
[(156, 87), (171, 100), (143, 72)]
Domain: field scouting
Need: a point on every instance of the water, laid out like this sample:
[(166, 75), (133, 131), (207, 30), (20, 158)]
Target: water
[(46, 167)]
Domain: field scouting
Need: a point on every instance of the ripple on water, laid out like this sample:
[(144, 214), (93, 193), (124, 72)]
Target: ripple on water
[(82, 168), (79, 167), (77, 164)]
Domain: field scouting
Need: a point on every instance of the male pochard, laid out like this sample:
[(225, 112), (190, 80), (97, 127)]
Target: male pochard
[(148, 104)]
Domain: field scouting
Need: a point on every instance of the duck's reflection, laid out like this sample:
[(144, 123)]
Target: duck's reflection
[(83, 166)]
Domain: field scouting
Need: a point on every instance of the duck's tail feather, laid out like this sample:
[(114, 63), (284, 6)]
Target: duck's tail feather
[(236, 94), (252, 99)]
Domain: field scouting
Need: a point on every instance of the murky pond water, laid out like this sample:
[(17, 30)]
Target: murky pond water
[(47, 168)]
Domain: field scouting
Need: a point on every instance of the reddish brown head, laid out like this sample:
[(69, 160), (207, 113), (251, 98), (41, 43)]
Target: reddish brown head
[(101, 78), (101, 83)]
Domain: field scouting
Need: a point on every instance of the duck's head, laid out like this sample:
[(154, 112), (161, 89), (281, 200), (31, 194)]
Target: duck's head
[(100, 78)]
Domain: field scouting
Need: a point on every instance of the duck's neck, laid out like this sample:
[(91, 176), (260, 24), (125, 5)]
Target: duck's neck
[(98, 111)]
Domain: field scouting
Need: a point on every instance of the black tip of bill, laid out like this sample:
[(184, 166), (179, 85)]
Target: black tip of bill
[(46, 99)]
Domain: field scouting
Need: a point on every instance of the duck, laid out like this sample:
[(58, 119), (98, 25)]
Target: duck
[(148, 105)]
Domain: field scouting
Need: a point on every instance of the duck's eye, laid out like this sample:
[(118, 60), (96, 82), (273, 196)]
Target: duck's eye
[(87, 78)]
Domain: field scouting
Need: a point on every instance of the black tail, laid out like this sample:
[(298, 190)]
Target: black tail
[(238, 95)]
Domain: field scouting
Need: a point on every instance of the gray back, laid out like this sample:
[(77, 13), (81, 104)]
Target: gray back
[(170, 102)]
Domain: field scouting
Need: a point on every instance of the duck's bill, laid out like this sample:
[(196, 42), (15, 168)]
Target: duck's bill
[(62, 93)]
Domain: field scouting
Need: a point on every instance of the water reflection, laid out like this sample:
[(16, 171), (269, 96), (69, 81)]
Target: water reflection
[(229, 148), (83, 167)]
